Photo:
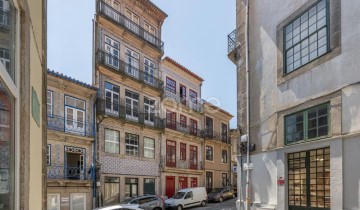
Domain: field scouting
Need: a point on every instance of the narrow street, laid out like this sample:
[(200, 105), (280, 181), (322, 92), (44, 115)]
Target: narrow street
[(226, 205)]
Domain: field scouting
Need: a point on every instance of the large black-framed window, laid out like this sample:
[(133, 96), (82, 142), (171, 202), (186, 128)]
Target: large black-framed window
[(149, 186), (307, 37), (309, 179), (111, 190), (308, 124), (131, 187), (209, 180), (209, 153)]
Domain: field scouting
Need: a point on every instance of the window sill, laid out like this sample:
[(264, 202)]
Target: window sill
[(307, 140)]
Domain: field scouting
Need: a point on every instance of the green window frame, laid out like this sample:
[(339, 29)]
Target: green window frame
[(307, 36), (310, 124)]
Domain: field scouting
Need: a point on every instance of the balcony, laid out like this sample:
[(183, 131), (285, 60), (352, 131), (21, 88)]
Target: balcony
[(4, 19), (125, 69), (68, 173), (121, 20), (183, 128), (181, 164), (118, 111), (70, 126), (197, 106), (232, 45), (215, 136)]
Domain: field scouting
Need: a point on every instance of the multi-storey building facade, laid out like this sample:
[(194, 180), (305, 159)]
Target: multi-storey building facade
[(217, 147), (182, 161), (70, 142), (128, 52), (304, 101), (22, 104)]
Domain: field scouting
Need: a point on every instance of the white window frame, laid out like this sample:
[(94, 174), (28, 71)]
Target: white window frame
[(113, 142), (149, 71), (113, 93), (57, 198), (132, 59), (148, 149), (50, 103), (133, 25), (151, 33), (135, 146), (76, 124), (71, 200), (132, 106), (148, 111), (112, 48)]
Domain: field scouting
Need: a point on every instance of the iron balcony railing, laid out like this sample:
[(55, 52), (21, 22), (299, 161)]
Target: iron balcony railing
[(232, 41), (197, 105), (62, 124), (126, 69), (172, 162), (119, 111), (120, 19), (183, 127), (222, 137), (4, 19), (68, 172)]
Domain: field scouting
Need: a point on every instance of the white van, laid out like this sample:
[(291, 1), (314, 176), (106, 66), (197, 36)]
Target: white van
[(188, 197)]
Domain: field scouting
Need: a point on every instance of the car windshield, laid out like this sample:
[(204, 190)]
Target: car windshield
[(126, 201), (179, 195), (216, 190)]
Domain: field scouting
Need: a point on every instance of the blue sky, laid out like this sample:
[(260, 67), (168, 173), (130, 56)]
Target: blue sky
[(195, 35)]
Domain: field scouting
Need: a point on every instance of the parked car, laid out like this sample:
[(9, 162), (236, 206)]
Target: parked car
[(146, 202), (221, 194), (188, 197), (120, 207)]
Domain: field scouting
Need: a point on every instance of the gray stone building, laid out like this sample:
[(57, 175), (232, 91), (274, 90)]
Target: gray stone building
[(304, 104)]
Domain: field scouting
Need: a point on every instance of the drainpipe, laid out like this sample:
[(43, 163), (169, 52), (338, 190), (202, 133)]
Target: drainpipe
[(248, 198), (94, 156)]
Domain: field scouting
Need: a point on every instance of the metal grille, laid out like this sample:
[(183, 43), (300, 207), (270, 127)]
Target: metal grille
[(309, 179)]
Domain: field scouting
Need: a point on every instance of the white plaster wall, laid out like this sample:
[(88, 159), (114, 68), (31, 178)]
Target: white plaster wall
[(351, 109), (352, 174)]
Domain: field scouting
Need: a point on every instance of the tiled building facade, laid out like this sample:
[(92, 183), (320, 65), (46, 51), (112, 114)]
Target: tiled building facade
[(70, 143), (127, 73)]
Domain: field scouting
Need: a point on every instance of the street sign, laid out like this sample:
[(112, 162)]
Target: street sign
[(248, 167), (234, 169)]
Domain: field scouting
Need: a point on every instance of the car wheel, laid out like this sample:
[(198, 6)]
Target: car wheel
[(203, 203), (179, 207), (157, 208), (221, 199)]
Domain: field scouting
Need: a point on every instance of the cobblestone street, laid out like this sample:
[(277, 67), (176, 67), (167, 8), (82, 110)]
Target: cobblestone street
[(226, 205)]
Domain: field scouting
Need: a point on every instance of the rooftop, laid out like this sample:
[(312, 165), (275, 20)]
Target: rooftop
[(218, 108), (183, 68), (70, 79)]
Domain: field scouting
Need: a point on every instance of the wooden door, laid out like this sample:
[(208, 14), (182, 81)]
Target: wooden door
[(170, 186)]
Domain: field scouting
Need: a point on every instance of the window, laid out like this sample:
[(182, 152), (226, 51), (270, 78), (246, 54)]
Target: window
[(209, 127), (209, 153), (150, 34), (132, 23), (183, 94), (5, 57), (193, 181), (149, 186), (193, 96), (182, 151), (112, 190), (193, 157), (309, 179), (170, 85), (131, 187), (224, 133), (209, 180), (306, 125), (224, 156), (112, 49), (48, 155), (7, 170), (170, 153), (183, 183), (132, 16), (224, 179), (53, 201), (149, 147), (193, 127), (75, 115), (307, 37), (149, 108), (132, 144), (132, 105), (171, 120), (77, 201), (149, 71), (132, 60), (112, 140), (112, 98), (183, 123), (49, 102)]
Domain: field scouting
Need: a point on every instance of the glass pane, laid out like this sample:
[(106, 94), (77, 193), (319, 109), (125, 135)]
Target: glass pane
[(78, 202)]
